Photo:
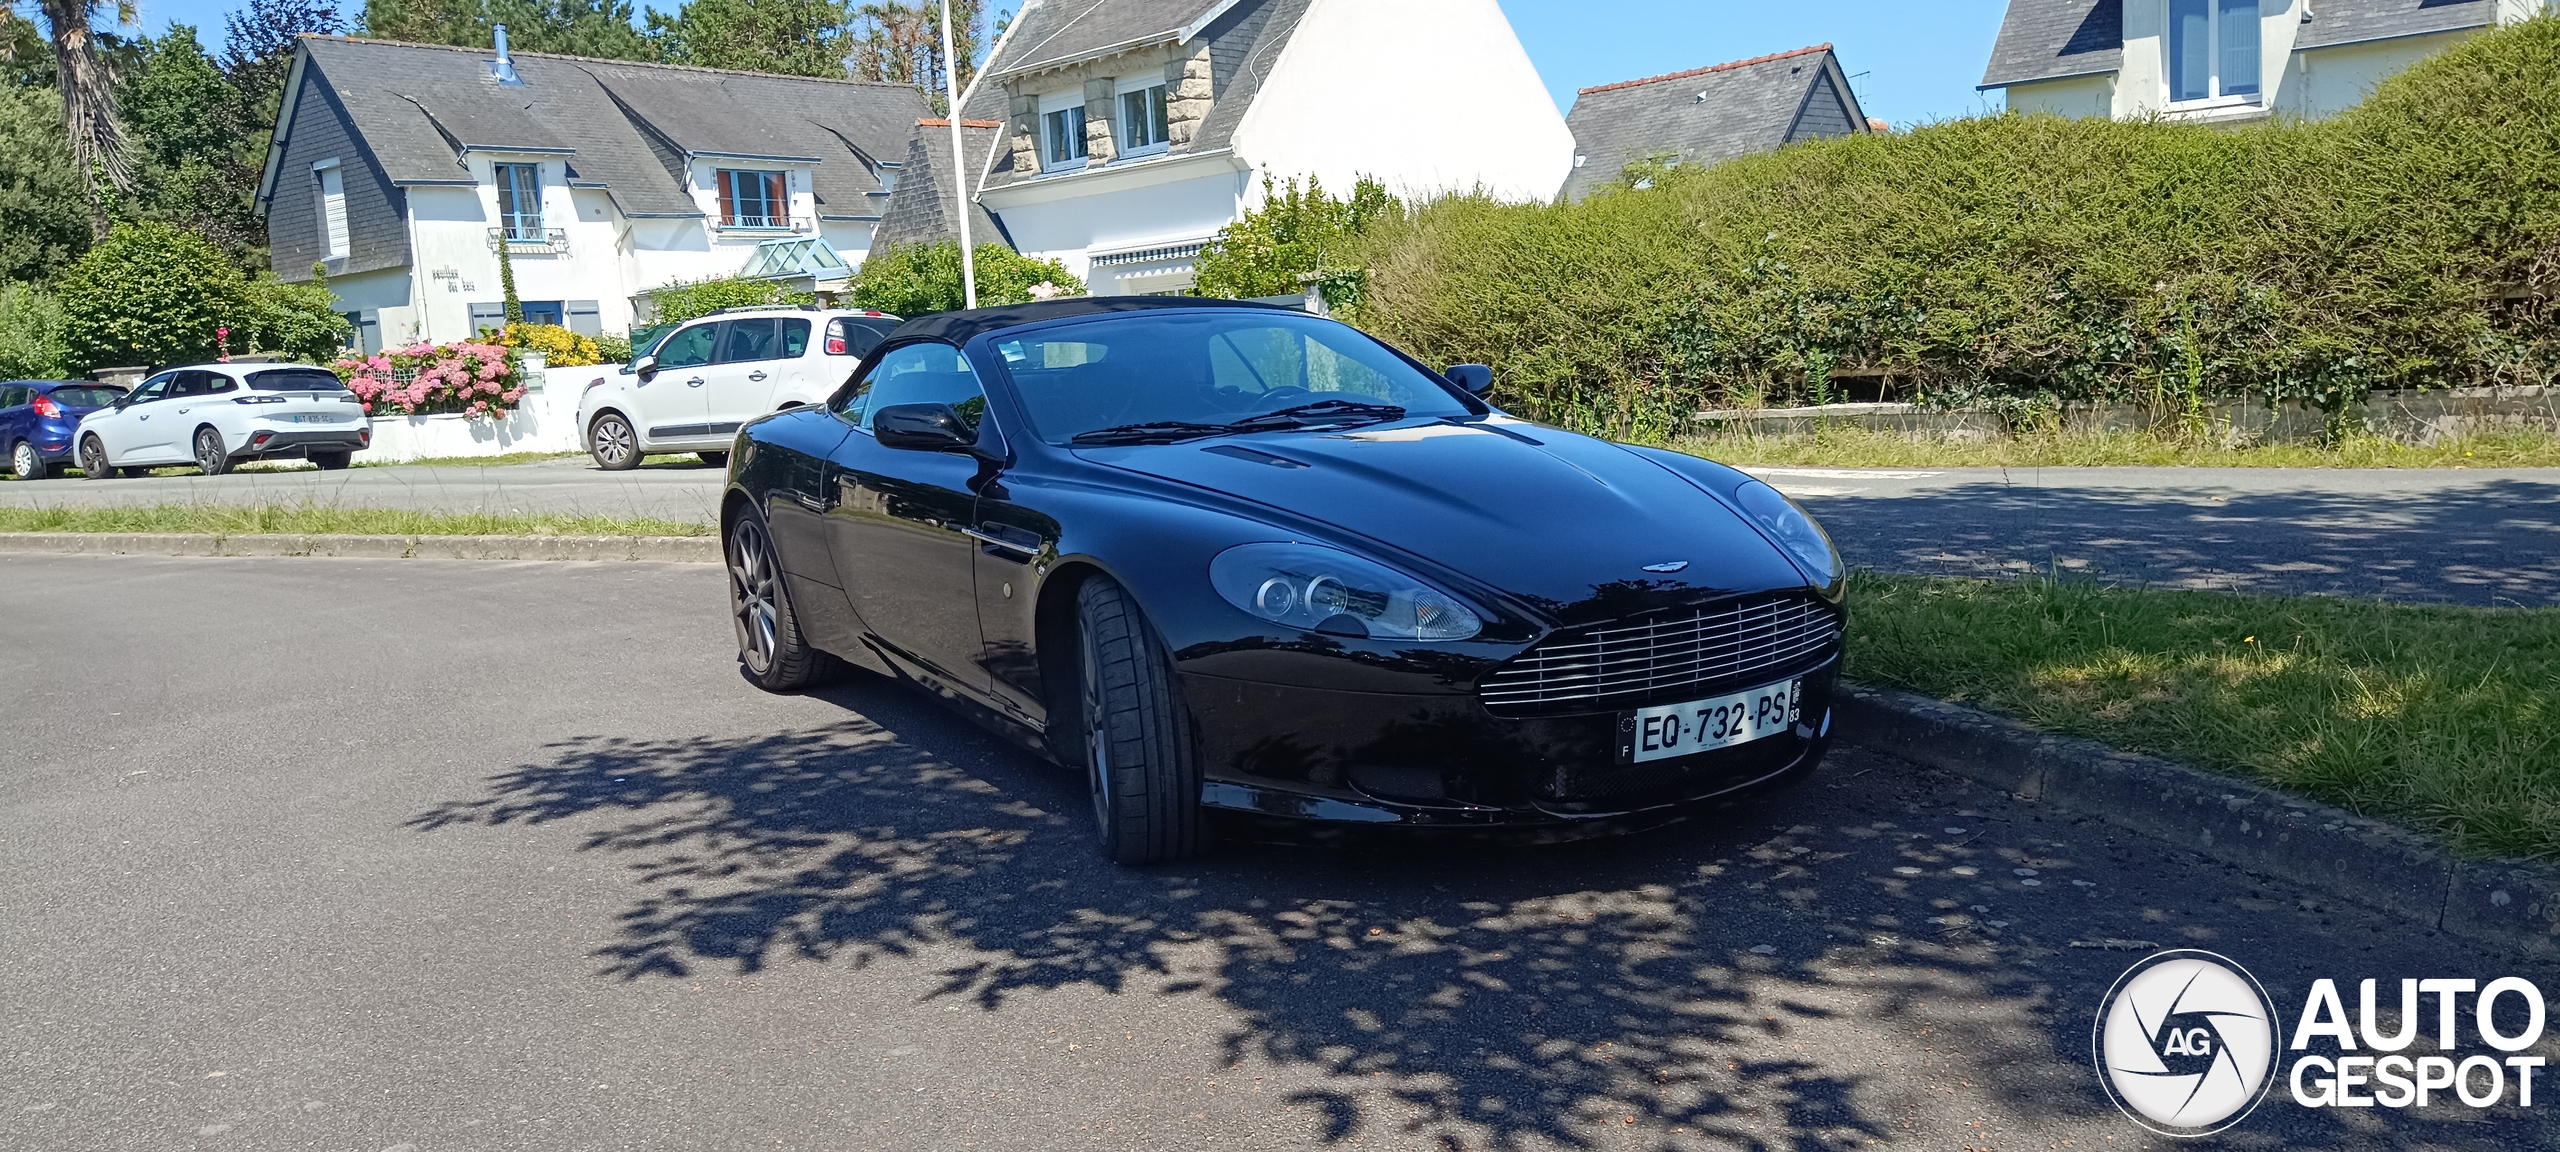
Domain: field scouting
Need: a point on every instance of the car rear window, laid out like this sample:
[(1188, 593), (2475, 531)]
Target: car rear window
[(87, 396), (296, 380)]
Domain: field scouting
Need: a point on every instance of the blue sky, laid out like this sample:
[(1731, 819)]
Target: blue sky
[(1914, 61)]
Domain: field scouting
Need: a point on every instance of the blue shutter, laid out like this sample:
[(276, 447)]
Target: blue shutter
[(583, 318)]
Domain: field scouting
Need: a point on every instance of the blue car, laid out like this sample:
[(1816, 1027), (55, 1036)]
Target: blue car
[(37, 418)]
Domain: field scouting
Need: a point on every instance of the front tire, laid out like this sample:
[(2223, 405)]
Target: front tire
[(93, 459), (770, 647), (613, 443), (1140, 766), (211, 457), (25, 463)]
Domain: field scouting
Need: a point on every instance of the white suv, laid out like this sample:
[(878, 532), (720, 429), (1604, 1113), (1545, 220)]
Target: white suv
[(216, 415), (705, 379)]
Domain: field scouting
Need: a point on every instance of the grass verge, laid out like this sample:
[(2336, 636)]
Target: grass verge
[(242, 520), (2441, 717), (1851, 447)]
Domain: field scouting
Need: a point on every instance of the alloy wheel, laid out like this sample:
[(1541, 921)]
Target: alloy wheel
[(24, 461), (1097, 741), (752, 594), (614, 442), (93, 459), (210, 458)]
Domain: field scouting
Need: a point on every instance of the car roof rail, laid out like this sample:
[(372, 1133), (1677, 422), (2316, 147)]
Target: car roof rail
[(767, 308)]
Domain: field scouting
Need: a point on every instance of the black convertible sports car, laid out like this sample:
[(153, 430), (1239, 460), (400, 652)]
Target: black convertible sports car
[(1224, 555)]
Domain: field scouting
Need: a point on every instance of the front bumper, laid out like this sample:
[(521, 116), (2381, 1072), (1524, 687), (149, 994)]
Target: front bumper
[(1443, 761)]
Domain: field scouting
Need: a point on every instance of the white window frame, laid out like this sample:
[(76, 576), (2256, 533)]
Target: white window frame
[(1120, 123), (541, 213), (331, 208), (2214, 98), (1050, 137)]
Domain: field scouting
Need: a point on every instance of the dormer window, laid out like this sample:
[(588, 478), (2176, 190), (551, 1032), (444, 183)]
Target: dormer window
[(1062, 133), (753, 199), (519, 200), (2213, 50), (1142, 119)]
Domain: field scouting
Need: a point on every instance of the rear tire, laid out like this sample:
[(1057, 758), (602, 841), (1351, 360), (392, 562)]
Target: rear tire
[(612, 443), (714, 459), (93, 459), (25, 463), (770, 647), (1140, 766), (331, 461), (211, 457)]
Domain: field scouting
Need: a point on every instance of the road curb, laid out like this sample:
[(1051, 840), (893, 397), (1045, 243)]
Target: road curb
[(2516, 905), (680, 549)]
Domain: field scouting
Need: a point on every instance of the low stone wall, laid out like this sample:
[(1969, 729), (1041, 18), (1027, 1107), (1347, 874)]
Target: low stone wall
[(2407, 416), (547, 421)]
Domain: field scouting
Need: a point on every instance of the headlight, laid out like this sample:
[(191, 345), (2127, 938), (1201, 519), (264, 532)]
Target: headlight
[(1794, 528), (1324, 590)]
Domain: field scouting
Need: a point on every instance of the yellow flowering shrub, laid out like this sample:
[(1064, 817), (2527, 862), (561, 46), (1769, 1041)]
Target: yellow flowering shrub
[(560, 347)]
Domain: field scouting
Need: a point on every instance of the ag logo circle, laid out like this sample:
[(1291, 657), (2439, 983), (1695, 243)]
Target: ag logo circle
[(2186, 1043)]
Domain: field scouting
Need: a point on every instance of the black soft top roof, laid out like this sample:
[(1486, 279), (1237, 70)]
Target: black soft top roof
[(962, 327)]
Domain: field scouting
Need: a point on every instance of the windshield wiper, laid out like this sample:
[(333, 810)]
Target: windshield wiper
[(1151, 432), (1320, 412)]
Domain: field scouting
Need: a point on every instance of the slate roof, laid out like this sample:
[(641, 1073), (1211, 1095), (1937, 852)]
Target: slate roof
[(1048, 33), (1709, 114), (2336, 22), (2053, 39), (625, 127), (920, 209)]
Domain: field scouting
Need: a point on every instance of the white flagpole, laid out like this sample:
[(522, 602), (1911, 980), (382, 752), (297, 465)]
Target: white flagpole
[(959, 163)]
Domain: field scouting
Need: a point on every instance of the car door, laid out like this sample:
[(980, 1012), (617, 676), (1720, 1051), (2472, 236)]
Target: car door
[(121, 429), (191, 405), (672, 403), (742, 374), (899, 521), (16, 415)]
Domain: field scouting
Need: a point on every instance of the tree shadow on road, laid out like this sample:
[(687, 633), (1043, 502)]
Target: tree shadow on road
[(1477, 997)]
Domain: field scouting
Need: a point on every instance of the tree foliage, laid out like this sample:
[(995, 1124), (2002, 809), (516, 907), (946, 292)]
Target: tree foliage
[(152, 294), (898, 43), (30, 333), (600, 28), (1294, 234), (921, 278), (44, 216), (677, 303), (792, 37), (258, 50)]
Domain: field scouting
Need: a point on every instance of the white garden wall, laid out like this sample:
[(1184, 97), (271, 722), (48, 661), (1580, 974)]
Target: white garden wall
[(547, 421)]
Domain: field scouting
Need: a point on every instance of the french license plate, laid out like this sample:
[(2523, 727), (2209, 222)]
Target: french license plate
[(316, 418), (1698, 726)]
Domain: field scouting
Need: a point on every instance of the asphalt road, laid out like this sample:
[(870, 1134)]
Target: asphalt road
[(410, 856), (2488, 537)]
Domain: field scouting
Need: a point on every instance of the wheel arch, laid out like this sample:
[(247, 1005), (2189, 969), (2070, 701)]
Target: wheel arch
[(1054, 640)]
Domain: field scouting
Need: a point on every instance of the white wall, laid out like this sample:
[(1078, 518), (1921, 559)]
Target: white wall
[(2075, 97), (1427, 95), (2326, 81), (1120, 213)]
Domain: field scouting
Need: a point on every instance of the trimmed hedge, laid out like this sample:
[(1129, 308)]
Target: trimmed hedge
[(2026, 261)]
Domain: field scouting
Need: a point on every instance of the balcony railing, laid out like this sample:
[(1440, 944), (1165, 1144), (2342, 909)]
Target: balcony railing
[(548, 242)]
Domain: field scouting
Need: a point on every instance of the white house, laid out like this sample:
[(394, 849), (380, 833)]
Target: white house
[(2219, 61), (400, 169), (1119, 136)]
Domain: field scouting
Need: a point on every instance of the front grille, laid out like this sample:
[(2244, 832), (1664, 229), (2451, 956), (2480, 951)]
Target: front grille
[(1660, 658)]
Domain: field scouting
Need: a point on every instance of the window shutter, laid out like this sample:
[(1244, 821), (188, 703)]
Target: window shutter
[(583, 319), (333, 213), (488, 315), (728, 196)]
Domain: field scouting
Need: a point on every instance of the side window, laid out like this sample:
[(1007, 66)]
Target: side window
[(747, 340), (12, 397), (795, 338), (690, 348), (154, 388), (193, 382), (918, 374)]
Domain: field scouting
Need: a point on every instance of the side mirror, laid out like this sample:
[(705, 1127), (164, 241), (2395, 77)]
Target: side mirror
[(1477, 379), (922, 427), (646, 367)]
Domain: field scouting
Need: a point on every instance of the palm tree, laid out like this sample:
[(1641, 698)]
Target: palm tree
[(88, 100)]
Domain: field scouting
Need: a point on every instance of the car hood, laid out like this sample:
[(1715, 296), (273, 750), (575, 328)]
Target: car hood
[(1566, 524)]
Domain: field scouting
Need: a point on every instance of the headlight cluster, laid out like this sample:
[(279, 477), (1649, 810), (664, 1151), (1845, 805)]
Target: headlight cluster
[(1795, 530), (1326, 590)]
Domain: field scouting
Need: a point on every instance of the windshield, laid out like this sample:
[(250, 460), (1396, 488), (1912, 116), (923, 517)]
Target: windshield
[(86, 396), (1134, 378), (296, 380)]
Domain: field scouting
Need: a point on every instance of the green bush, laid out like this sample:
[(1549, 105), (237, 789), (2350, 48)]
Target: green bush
[(299, 320), (2025, 262), (1294, 234), (30, 333), (678, 303), (920, 278), (147, 295)]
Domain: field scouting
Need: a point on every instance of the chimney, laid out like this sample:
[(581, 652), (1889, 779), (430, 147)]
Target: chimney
[(504, 67)]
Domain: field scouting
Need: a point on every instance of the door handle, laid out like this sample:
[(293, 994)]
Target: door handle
[(1011, 539), (755, 375), (812, 503), (696, 382)]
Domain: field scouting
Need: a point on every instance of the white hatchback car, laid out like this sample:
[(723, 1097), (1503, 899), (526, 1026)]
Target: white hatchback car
[(217, 415), (706, 379)]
